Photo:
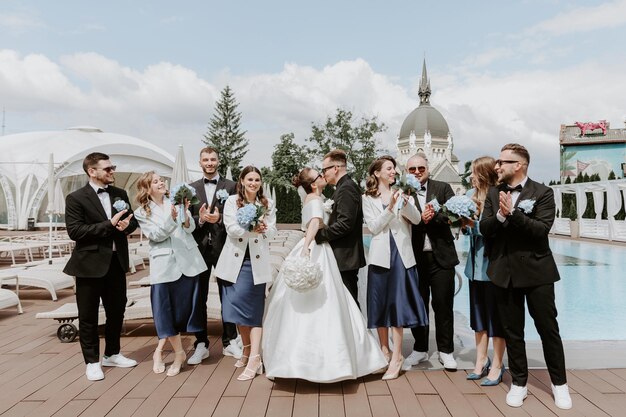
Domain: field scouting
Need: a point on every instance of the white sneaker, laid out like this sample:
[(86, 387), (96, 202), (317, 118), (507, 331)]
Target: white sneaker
[(448, 362), (94, 372), (199, 354), (561, 396), (416, 357), (233, 350), (516, 395), (118, 360)]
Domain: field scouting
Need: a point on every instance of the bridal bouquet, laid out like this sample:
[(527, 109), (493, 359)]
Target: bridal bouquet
[(179, 194), (301, 274), (249, 216), (457, 208)]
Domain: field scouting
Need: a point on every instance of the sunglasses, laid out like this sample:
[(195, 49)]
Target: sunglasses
[(412, 170), (108, 169), (316, 178), (506, 161), (329, 167)]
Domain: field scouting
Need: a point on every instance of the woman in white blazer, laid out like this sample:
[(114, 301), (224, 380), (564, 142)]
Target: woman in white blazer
[(393, 298), (175, 263), (244, 266)]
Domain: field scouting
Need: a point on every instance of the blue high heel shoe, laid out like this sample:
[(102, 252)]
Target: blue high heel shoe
[(474, 376), (493, 382)]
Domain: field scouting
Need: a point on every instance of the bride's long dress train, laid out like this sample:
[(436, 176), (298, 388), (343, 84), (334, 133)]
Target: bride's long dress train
[(319, 335)]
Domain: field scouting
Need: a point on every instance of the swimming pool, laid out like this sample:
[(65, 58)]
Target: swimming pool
[(590, 297)]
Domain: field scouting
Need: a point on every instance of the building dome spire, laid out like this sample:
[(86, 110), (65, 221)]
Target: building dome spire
[(424, 88)]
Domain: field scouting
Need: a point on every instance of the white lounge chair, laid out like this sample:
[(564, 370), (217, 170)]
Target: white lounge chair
[(9, 299), (48, 279)]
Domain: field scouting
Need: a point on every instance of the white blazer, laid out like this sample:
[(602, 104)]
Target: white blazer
[(380, 221), (231, 258), (173, 250)]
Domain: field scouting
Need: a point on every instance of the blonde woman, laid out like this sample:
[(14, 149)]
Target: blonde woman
[(244, 267), (175, 262), (393, 297), (484, 318)]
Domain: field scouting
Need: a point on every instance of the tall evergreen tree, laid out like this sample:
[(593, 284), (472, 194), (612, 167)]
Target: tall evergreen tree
[(225, 134)]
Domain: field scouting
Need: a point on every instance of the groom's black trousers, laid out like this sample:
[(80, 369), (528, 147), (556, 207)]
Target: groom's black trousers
[(350, 280)]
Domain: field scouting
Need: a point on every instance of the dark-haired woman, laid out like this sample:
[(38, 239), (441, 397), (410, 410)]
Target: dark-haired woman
[(393, 298), (244, 266), (318, 334), (175, 263)]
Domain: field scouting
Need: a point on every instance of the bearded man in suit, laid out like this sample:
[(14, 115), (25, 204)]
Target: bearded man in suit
[(210, 233), (345, 224), (435, 253), (516, 221), (99, 261)]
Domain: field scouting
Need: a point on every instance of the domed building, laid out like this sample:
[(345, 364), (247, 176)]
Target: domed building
[(426, 131), (28, 160)]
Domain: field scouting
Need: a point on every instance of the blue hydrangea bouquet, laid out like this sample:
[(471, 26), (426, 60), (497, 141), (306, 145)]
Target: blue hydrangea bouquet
[(178, 194), (457, 208), (249, 216), (408, 184)]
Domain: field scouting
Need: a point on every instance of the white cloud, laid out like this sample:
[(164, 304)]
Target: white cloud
[(16, 23), (584, 19), (169, 104)]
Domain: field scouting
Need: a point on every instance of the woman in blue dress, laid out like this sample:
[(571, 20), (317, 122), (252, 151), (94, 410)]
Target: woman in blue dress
[(175, 263), (484, 318), (393, 297), (244, 266)]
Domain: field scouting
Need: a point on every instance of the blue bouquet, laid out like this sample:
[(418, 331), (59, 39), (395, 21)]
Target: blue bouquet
[(179, 194), (458, 207), (250, 215), (408, 184)]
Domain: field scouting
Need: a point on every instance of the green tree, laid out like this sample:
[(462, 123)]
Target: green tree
[(465, 181), (288, 159), (356, 138), (225, 133)]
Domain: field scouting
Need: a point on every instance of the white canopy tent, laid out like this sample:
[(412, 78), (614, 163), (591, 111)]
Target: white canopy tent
[(598, 228), (24, 167)]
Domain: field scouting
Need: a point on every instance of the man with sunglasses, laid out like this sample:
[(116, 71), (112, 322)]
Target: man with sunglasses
[(99, 261), (433, 246), (516, 221), (345, 225)]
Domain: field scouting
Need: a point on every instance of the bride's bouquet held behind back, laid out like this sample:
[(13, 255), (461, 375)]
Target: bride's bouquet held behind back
[(301, 274)]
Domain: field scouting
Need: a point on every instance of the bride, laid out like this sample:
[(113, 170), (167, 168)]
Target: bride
[(319, 335)]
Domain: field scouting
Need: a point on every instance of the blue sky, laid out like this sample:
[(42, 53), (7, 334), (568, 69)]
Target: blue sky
[(500, 71)]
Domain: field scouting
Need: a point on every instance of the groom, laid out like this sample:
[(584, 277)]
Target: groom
[(345, 225)]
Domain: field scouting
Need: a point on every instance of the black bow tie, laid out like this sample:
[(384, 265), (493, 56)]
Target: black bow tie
[(518, 187), (102, 190), (208, 181)]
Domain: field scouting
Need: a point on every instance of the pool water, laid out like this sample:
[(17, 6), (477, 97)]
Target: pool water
[(590, 297)]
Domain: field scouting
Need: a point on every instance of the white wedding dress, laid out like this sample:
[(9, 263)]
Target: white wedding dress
[(319, 335)]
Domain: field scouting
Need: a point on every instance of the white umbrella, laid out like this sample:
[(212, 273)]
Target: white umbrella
[(229, 173), (274, 195), (180, 173), (50, 208), (58, 207)]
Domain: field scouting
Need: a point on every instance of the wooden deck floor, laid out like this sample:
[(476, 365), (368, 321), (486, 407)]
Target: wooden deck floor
[(39, 376)]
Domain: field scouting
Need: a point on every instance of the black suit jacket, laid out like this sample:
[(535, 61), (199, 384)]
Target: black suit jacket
[(345, 226), (518, 249), (88, 226), (211, 236), (437, 229)]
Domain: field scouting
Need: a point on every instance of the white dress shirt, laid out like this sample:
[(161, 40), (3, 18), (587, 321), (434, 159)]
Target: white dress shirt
[(105, 199), (421, 198), (514, 197)]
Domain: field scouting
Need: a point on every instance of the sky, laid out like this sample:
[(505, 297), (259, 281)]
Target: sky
[(500, 71)]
